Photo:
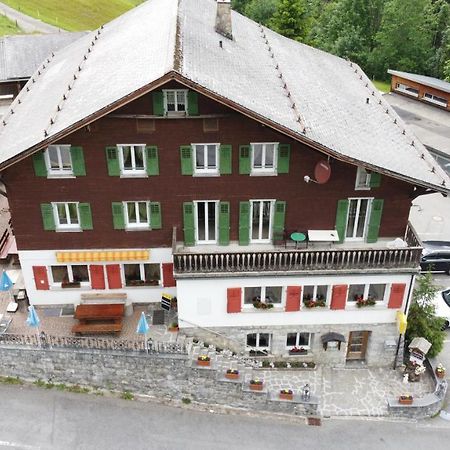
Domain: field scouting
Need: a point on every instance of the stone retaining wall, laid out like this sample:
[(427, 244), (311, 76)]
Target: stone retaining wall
[(160, 376)]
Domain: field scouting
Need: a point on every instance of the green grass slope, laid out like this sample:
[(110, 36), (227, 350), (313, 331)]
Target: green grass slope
[(8, 27), (73, 15)]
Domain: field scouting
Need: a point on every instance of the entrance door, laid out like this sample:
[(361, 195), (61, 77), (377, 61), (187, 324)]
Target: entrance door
[(357, 345)]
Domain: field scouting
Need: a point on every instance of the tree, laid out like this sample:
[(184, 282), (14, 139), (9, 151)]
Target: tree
[(422, 321), (261, 10), (291, 19)]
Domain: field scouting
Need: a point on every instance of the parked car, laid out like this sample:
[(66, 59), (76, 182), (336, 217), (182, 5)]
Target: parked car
[(442, 303), (435, 257)]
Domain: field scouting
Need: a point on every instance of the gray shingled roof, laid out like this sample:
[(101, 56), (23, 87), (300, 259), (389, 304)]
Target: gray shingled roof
[(317, 97), (422, 79), (20, 56)]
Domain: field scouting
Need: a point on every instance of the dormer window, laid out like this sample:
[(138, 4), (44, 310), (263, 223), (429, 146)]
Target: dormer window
[(175, 101)]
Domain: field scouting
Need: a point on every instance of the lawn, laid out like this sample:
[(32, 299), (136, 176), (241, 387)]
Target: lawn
[(74, 15), (382, 86), (8, 27)]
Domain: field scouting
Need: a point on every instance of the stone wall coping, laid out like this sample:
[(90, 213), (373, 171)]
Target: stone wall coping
[(420, 402)]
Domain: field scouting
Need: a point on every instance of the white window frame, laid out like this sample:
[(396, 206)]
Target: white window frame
[(206, 170), (141, 272), (408, 90), (133, 171), (428, 97), (314, 297), (264, 170), (362, 182), (66, 226), (366, 293), (272, 209), (297, 338), (263, 297), (175, 112), (206, 241), (58, 172), (257, 346), (137, 225), (367, 218), (69, 274)]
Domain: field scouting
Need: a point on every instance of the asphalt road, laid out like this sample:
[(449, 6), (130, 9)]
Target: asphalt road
[(33, 418)]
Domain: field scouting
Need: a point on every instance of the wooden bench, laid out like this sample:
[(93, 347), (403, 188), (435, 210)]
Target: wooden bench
[(98, 318)]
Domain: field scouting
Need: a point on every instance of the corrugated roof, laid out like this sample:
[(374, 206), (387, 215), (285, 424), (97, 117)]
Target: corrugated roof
[(20, 56), (316, 97), (423, 79)]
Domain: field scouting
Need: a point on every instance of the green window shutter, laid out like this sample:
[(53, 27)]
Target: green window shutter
[(244, 159), (158, 103), (244, 223), (48, 219), (78, 166), (192, 103), (341, 218), (225, 159), (187, 167), (40, 169), (375, 179), (188, 223), (118, 216), (85, 216), (224, 223), (278, 219), (375, 220), (155, 216), (152, 160), (284, 154), (112, 158)]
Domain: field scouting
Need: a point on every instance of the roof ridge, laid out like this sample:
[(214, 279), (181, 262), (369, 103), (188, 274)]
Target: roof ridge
[(297, 114)]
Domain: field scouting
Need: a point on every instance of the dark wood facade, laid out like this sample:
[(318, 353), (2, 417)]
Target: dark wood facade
[(308, 206)]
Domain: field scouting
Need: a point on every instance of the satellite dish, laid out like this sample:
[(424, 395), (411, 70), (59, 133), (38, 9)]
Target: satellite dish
[(322, 172)]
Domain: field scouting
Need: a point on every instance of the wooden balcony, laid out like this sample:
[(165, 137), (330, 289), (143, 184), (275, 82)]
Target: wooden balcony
[(340, 257)]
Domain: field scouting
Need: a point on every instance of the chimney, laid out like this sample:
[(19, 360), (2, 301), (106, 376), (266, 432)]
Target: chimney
[(223, 18)]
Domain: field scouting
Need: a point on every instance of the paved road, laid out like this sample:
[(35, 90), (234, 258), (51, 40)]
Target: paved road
[(34, 419), (27, 23)]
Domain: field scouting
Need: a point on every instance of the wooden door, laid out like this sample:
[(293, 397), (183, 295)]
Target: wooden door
[(357, 345)]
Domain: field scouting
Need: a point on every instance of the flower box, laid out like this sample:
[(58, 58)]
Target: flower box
[(69, 285), (232, 374), (173, 329), (405, 399), (298, 351), (256, 385), (203, 361), (286, 394)]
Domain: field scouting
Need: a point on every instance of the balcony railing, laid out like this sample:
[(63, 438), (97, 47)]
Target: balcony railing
[(300, 260)]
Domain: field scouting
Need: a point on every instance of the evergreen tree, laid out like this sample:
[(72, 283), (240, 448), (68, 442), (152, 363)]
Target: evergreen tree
[(291, 19), (261, 11)]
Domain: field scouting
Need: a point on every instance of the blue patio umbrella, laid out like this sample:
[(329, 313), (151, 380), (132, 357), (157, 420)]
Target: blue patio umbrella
[(5, 282), (142, 328), (34, 322)]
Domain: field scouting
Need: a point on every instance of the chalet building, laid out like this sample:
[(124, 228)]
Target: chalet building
[(420, 87), (185, 149)]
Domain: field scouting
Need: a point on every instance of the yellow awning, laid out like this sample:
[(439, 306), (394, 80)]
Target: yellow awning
[(401, 322), (105, 256)]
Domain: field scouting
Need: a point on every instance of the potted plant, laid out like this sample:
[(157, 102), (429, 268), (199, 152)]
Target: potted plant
[(440, 371), (256, 384), (173, 327), (232, 374), (309, 302), (405, 399), (298, 351), (360, 302), (258, 304), (286, 394), (204, 361)]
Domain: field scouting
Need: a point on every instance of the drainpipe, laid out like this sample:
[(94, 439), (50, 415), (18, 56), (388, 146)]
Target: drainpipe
[(406, 314)]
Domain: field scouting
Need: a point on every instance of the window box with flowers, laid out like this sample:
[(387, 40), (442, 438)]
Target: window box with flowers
[(203, 361), (232, 374), (286, 394), (310, 302), (258, 304), (405, 399), (298, 351), (361, 302), (256, 384)]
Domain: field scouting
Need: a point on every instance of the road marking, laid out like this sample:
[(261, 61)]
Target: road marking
[(17, 445)]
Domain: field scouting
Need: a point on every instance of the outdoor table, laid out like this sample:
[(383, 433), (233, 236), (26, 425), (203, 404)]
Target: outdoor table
[(298, 237), (323, 236)]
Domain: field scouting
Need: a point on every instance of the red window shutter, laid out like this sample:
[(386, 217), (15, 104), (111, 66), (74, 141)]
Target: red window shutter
[(233, 300), (97, 277), (293, 295), (339, 296), (168, 279), (113, 274), (397, 294), (40, 278)]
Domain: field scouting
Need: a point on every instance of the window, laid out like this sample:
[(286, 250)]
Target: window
[(132, 159), (70, 276), (206, 158), (66, 216), (406, 89), (142, 274), (355, 292), (375, 292), (265, 294), (261, 213), (435, 99), (362, 179), (58, 160), (357, 219), (298, 340), (137, 215), (316, 294), (206, 222), (175, 101), (264, 156), (259, 341)]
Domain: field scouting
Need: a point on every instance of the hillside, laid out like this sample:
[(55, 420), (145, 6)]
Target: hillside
[(73, 15), (8, 27)]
